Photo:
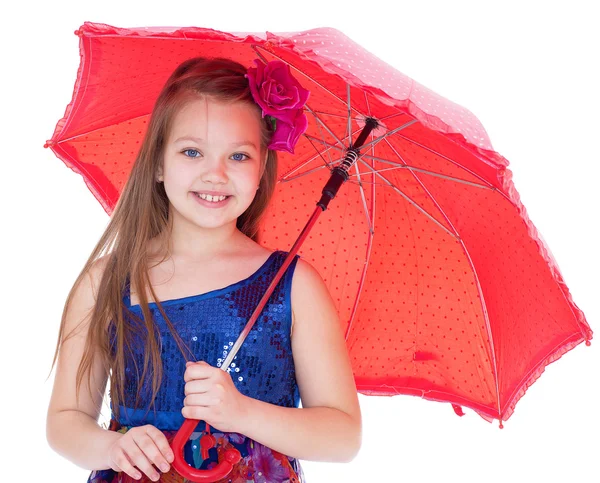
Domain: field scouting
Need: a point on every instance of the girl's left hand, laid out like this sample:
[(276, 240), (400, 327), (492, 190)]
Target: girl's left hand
[(211, 396)]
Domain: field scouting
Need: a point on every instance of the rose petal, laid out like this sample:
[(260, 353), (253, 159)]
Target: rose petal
[(286, 135)]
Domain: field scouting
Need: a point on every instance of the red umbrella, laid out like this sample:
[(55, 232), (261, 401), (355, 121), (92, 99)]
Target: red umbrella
[(444, 287)]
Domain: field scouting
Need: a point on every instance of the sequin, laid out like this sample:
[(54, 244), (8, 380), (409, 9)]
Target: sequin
[(264, 367)]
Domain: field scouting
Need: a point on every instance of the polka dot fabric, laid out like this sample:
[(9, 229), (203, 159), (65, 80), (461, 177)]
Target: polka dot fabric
[(444, 288)]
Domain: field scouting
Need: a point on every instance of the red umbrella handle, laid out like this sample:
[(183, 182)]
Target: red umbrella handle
[(232, 456)]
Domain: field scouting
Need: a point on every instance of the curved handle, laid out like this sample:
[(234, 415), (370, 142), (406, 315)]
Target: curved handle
[(232, 456)]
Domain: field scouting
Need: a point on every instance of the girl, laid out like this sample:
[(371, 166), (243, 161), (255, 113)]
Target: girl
[(168, 289)]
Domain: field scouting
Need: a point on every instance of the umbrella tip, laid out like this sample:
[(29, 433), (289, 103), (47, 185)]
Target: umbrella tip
[(588, 342), (501, 426), (78, 33), (49, 143)]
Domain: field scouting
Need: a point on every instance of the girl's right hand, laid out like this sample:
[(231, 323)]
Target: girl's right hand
[(141, 447)]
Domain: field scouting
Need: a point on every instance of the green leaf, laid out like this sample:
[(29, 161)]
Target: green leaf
[(273, 122)]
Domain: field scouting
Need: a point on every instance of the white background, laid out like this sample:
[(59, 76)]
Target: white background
[(527, 70)]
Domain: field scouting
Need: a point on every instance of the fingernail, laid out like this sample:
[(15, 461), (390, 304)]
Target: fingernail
[(164, 467)]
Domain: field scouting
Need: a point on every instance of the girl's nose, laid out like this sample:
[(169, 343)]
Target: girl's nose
[(215, 170)]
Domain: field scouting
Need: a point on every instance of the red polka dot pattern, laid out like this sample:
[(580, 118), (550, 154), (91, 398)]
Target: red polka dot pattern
[(444, 288)]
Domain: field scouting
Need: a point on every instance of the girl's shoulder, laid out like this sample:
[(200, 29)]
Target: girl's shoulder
[(306, 278), (308, 289)]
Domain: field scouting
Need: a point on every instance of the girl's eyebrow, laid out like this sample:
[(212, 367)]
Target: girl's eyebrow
[(199, 140)]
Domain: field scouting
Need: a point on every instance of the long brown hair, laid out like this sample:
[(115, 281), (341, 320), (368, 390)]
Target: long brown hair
[(141, 214)]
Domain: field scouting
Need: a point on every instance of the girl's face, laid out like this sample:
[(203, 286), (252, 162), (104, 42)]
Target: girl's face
[(213, 147)]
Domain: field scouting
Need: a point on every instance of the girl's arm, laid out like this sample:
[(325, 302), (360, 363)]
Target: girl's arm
[(328, 427), (71, 426)]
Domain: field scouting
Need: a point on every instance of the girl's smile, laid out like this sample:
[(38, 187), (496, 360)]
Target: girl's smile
[(211, 201)]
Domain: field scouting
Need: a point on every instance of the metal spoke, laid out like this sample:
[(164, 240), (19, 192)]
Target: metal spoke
[(364, 200), (389, 133), (422, 170), (339, 141), (323, 139), (304, 173), (407, 198), (332, 146), (433, 151), (349, 131)]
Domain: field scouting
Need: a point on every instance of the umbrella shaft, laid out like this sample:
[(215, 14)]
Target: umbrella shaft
[(339, 174)]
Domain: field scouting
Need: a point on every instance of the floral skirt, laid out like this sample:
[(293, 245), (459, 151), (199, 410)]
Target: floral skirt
[(259, 463)]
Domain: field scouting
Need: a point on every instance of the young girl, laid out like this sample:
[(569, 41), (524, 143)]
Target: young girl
[(169, 288)]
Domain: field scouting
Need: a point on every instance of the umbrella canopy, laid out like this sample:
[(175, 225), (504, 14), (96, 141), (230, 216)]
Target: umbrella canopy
[(444, 287)]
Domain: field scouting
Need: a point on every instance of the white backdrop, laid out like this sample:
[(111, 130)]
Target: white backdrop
[(527, 70)]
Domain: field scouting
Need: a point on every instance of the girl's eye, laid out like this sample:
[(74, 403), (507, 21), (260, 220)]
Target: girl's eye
[(236, 156), (186, 150), (240, 154)]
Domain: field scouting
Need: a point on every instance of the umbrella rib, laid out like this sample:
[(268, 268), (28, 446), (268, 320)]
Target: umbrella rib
[(325, 126), (329, 145), (364, 200), (370, 235), (304, 173), (409, 200), (389, 133), (466, 252), (433, 151), (426, 171), (349, 131), (323, 140), (285, 178), (94, 130)]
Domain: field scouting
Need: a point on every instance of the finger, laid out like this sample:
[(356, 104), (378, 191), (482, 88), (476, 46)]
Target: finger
[(165, 454), (195, 412), (196, 386), (123, 464), (135, 452), (203, 400), (200, 370)]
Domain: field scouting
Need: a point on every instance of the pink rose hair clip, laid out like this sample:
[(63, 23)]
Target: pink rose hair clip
[(282, 100)]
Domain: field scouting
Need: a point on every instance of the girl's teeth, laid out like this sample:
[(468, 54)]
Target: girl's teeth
[(212, 198)]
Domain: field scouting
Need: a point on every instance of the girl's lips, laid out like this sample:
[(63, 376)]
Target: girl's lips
[(211, 204)]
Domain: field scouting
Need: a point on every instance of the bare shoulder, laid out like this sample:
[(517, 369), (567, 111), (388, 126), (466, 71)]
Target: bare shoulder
[(97, 271), (85, 294), (308, 286), (309, 294)]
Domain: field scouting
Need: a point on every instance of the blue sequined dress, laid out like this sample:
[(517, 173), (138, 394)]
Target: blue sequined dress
[(263, 368)]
